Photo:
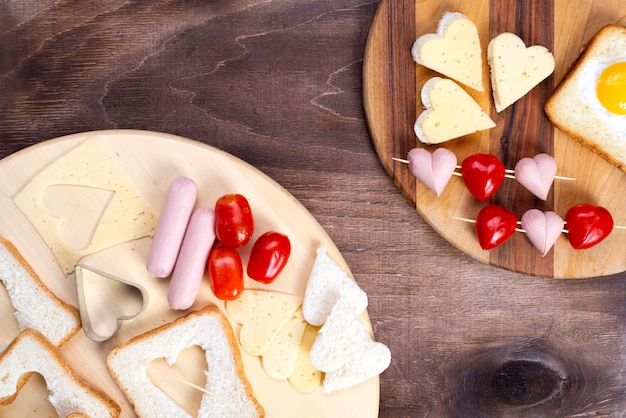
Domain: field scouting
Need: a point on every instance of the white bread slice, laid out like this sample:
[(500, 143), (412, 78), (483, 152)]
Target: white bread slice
[(450, 112), (345, 351), (453, 51), (515, 69), (30, 352), (327, 283), (225, 377), (574, 108), (35, 306)]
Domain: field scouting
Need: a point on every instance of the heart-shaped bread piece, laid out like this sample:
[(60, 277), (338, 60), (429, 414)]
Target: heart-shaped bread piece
[(327, 283), (494, 225), (515, 69), (345, 351), (450, 112), (536, 174), (542, 228), (453, 51), (433, 170), (587, 225), (483, 174)]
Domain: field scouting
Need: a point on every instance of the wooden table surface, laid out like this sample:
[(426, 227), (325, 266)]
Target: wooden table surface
[(278, 84)]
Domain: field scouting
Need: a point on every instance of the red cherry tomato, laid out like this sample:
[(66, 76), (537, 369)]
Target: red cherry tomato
[(234, 223), (269, 255), (225, 272), (483, 174), (587, 225), (494, 225)]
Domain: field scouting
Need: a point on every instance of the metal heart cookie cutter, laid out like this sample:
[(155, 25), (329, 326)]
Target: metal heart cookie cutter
[(105, 301)]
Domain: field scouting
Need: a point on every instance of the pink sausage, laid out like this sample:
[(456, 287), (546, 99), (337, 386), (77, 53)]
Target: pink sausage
[(192, 259), (179, 203)]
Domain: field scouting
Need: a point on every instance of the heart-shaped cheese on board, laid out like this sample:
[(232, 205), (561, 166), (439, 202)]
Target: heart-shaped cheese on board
[(483, 174), (458, 37), (450, 112), (542, 228), (515, 69), (587, 225), (536, 174), (494, 225), (433, 170)]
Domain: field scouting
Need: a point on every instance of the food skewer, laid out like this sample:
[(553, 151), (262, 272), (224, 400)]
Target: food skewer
[(180, 379)]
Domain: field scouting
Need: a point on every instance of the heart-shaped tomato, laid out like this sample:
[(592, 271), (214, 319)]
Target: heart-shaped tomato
[(587, 225), (494, 225), (483, 174)]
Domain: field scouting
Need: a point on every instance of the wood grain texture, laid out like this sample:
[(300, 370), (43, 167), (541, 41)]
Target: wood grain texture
[(279, 85), (522, 130)]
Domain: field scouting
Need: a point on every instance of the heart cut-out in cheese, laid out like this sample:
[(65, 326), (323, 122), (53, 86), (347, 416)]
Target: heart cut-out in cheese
[(262, 315), (542, 228), (450, 112), (515, 69), (536, 174), (126, 218), (453, 51), (433, 170)]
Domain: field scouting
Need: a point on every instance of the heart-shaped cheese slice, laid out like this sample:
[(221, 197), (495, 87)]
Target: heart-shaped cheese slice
[(433, 170), (450, 113), (536, 174), (542, 228), (515, 69), (262, 315), (453, 51)]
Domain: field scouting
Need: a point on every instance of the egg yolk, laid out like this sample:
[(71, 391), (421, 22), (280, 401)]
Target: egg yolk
[(611, 88)]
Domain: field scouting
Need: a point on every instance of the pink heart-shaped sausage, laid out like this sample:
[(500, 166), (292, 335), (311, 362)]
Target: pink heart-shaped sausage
[(433, 170), (536, 174), (542, 228)]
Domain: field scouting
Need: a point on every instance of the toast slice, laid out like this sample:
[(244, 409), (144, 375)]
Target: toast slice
[(35, 306), (574, 107), (230, 392), (30, 352)]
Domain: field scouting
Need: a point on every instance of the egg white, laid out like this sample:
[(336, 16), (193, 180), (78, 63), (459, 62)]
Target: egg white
[(587, 90)]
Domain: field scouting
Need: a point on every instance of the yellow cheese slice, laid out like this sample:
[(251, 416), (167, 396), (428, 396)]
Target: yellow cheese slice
[(453, 51), (515, 69), (262, 314), (305, 378), (121, 215), (450, 113), (279, 360)]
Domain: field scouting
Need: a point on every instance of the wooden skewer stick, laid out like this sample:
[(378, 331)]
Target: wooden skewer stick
[(181, 380), (509, 173), (565, 231)]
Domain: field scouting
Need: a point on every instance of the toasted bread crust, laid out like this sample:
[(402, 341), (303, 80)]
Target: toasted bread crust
[(37, 280), (53, 351), (552, 105), (228, 333)]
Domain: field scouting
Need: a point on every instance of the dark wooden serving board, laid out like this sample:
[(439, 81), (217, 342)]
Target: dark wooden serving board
[(392, 85)]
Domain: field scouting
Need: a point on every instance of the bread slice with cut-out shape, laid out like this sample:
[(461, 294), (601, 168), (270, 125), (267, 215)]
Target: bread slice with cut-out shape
[(344, 350), (35, 305), (450, 112), (230, 392), (453, 51), (327, 283), (30, 352)]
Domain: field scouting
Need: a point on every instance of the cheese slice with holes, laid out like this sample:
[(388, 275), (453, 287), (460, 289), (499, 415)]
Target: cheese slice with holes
[(262, 315), (305, 378), (124, 215), (515, 69), (279, 360), (450, 113)]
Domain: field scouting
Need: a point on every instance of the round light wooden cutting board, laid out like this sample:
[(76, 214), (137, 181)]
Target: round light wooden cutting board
[(149, 162), (392, 85)]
